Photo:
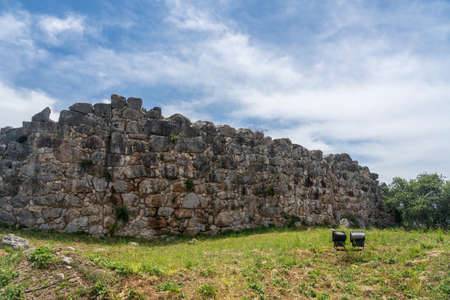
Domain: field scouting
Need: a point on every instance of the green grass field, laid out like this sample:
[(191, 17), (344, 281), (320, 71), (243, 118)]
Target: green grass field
[(269, 263)]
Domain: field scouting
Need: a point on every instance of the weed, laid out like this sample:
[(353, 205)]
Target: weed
[(6, 276), (107, 175), (207, 291), (100, 290), (169, 286), (85, 164), (189, 184), (207, 273), (135, 295), (122, 269), (12, 292), (122, 214), (279, 281), (269, 192), (173, 139), (151, 269), (113, 228), (41, 257), (80, 292), (257, 287)]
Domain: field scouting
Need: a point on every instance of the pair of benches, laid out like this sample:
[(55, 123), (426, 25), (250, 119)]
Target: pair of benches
[(357, 239)]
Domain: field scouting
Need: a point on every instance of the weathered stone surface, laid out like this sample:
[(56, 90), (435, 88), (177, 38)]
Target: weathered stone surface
[(43, 116), (151, 186), (170, 175), (132, 114), (344, 223), (134, 103), (6, 218), (165, 211), (20, 201), (83, 108), (154, 113), (15, 242), (224, 219), (159, 143), (191, 200), (195, 145), (76, 225), (161, 127), (71, 118), (102, 110), (117, 102)]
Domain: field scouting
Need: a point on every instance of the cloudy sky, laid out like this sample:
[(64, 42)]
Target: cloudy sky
[(370, 78)]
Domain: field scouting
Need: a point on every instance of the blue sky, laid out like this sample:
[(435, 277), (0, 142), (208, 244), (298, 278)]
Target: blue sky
[(370, 78)]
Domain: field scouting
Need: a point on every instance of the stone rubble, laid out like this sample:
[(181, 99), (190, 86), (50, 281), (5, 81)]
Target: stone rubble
[(120, 169), (15, 242)]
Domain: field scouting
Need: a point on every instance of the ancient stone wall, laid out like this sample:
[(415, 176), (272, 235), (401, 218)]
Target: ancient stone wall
[(102, 163)]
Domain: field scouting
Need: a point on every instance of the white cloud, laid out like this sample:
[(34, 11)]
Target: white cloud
[(58, 28), (186, 16), (18, 49), (19, 105)]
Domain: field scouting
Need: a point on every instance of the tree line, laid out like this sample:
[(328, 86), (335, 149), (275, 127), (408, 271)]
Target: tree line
[(423, 202)]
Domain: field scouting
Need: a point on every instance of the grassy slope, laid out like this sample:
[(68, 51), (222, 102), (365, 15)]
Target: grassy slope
[(271, 263)]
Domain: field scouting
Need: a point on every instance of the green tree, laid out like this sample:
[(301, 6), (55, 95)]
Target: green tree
[(423, 202)]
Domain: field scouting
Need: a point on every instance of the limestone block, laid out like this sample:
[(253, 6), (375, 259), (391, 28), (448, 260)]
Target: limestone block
[(83, 108), (151, 186), (117, 102), (134, 103), (191, 200), (43, 116)]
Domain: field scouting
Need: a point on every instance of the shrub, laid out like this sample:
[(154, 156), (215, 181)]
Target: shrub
[(423, 202), (6, 276), (87, 163), (189, 184), (207, 291), (41, 257), (12, 292), (100, 290), (123, 214)]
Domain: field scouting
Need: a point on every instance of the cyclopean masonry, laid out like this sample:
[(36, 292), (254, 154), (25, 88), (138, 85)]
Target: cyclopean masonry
[(120, 168)]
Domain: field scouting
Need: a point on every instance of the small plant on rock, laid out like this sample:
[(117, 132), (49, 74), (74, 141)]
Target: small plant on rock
[(269, 192), (122, 214), (189, 184), (87, 163), (173, 139), (107, 175)]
